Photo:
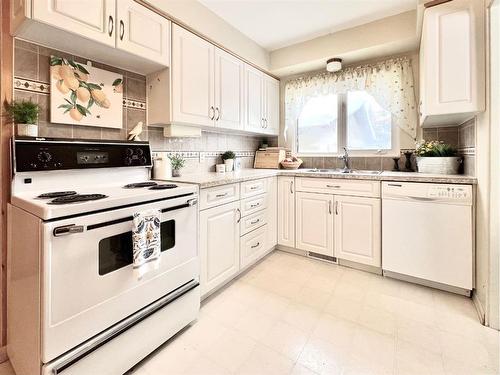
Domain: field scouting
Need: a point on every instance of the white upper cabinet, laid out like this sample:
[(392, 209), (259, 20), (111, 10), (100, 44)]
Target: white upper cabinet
[(314, 222), (452, 63), (121, 33), (95, 19), (142, 32), (254, 99), (192, 79), (229, 103), (358, 229), (271, 100)]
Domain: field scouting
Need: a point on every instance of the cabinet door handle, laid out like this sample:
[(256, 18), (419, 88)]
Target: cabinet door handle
[(291, 187), (336, 207), (256, 245), (217, 113), (330, 207), (239, 215), (111, 25), (122, 29), (211, 112), (220, 195), (262, 123), (265, 121)]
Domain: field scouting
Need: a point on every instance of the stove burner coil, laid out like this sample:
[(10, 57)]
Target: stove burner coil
[(140, 185), (163, 187), (57, 194), (77, 198)]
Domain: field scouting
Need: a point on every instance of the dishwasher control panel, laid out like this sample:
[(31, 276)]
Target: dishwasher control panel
[(449, 192)]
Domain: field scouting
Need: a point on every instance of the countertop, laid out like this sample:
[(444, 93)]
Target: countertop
[(210, 179)]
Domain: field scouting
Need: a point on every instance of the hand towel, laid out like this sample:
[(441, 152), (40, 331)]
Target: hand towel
[(146, 239)]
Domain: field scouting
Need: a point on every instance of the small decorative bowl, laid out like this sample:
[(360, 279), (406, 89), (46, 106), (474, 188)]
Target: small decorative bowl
[(291, 164)]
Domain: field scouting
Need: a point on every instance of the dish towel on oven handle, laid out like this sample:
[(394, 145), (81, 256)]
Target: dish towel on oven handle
[(146, 239)]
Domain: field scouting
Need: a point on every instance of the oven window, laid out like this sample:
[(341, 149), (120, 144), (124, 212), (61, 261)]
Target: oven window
[(115, 252)]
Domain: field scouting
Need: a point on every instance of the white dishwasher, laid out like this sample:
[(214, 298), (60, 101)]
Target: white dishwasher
[(427, 234)]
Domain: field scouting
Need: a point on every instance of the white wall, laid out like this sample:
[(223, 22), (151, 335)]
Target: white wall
[(203, 20)]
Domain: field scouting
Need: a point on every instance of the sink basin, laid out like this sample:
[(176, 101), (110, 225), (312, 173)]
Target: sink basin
[(341, 171)]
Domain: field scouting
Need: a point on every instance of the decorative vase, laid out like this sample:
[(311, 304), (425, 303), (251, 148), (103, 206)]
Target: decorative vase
[(439, 165), (229, 164), (408, 155), (176, 173), (27, 130), (396, 164)]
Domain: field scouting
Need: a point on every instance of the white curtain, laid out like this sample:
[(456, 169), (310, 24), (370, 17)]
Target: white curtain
[(390, 82)]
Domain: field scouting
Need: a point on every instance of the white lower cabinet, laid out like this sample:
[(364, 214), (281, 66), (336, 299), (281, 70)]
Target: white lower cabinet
[(219, 245), (272, 212), (286, 211), (358, 229), (314, 222), (253, 246)]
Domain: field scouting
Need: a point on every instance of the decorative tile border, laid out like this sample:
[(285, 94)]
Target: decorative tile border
[(31, 85), (39, 87), (469, 151), (203, 154)]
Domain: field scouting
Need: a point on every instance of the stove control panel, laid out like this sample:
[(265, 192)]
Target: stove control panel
[(40, 154)]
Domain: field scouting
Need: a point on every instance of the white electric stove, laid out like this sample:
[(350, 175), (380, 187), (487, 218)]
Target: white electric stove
[(73, 300)]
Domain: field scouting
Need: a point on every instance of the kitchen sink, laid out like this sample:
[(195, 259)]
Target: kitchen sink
[(341, 171)]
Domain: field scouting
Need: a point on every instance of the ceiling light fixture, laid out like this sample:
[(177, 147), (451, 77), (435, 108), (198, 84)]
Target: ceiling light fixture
[(334, 64)]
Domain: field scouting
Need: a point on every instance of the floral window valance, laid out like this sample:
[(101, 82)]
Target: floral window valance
[(390, 82)]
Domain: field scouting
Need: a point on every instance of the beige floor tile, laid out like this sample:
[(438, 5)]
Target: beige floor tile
[(418, 334), (264, 360), (374, 348), (204, 366), (323, 357), (313, 297), (414, 360), (203, 333), (286, 339), (173, 358), (344, 308), (298, 369), (273, 305), (255, 324), (231, 350), (336, 330), (301, 316), (347, 290), (378, 320)]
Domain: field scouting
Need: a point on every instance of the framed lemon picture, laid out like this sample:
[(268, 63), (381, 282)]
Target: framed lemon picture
[(84, 95)]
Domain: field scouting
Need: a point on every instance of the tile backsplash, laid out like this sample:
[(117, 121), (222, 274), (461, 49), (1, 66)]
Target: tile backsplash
[(32, 81)]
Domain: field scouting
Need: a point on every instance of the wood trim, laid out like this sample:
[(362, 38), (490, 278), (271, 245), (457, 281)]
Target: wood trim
[(6, 132), (433, 3), (3, 354), (202, 36)]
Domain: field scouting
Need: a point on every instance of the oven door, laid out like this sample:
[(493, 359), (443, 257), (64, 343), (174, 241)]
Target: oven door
[(87, 279)]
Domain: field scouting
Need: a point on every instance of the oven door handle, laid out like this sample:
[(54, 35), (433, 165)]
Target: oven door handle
[(67, 229), (189, 203)]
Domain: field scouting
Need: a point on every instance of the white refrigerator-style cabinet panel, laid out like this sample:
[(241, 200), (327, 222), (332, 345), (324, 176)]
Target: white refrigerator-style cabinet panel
[(271, 106), (314, 222), (254, 100), (142, 32), (452, 63), (192, 78), (229, 103), (358, 229), (286, 211), (219, 245), (95, 19)]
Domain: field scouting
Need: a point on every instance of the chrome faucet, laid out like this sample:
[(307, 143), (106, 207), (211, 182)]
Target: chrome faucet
[(345, 158)]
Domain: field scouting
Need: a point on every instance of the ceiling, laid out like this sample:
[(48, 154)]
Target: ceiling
[(275, 24)]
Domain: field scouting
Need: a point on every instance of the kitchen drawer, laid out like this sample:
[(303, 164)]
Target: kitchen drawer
[(253, 204), (339, 186), (253, 246), (252, 188), (216, 196), (251, 222)]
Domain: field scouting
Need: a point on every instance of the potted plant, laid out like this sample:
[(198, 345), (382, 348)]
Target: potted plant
[(177, 162), (228, 158), (437, 157), (25, 116)]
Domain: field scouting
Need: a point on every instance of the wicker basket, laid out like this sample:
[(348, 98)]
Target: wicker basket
[(291, 164)]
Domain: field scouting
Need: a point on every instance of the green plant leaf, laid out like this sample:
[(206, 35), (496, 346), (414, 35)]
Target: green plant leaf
[(68, 101), (93, 86), (81, 109), (73, 64), (69, 106), (117, 82), (90, 103), (67, 110), (82, 69), (23, 112), (54, 60), (73, 96)]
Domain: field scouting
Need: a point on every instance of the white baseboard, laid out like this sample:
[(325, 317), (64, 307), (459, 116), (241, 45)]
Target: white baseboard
[(479, 308)]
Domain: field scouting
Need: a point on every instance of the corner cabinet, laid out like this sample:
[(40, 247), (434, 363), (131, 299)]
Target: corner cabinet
[(358, 229), (219, 245), (452, 63), (286, 211), (122, 33)]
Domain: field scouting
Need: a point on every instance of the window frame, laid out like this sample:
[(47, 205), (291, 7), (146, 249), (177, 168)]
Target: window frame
[(342, 137)]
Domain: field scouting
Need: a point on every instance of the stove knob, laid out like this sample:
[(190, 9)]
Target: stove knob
[(33, 165), (128, 161), (143, 160), (139, 151), (129, 152), (44, 156), (57, 165)]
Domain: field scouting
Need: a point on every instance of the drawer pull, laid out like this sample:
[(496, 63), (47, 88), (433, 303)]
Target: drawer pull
[(254, 222), (256, 245), (254, 205), (254, 187), (221, 195), (334, 186)]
